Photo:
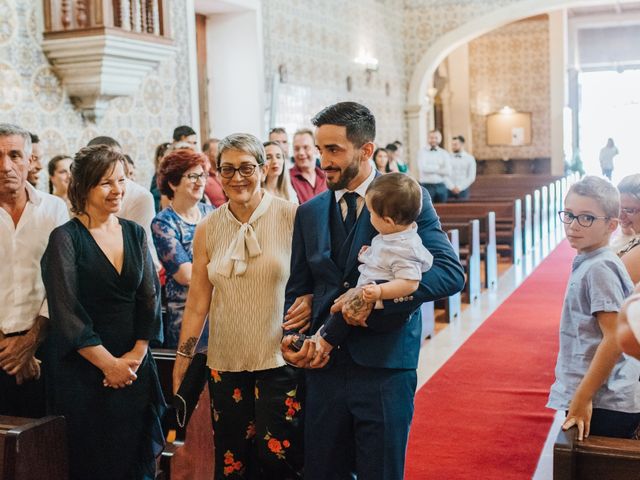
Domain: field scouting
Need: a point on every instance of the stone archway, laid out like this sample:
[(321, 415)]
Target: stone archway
[(417, 108)]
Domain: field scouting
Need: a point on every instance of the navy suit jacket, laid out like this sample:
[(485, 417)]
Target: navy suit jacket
[(314, 271)]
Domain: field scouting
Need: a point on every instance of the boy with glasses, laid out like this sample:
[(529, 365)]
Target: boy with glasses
[(595, 384)]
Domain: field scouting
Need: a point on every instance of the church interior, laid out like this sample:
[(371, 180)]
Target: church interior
[(537, 97)]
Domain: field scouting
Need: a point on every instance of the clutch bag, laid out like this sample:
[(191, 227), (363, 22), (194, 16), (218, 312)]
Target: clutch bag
[(186, 399)]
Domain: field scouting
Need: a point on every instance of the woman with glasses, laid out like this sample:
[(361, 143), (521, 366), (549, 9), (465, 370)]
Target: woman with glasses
[(181, 178), (629, 188), (276, 181), (240, 269)]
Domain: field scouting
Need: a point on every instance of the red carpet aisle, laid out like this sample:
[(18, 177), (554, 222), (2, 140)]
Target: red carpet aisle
[(483, 415)]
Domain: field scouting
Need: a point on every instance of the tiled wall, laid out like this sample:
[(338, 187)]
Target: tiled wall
[(32, 96), (510, 67), (318, 41)]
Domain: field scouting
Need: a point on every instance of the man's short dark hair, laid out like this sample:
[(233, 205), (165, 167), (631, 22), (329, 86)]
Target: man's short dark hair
[(104, 140), (358, 119), (398, 143), (460, 138), (182, 131), (397, 196), (34, 138), (391, 147)]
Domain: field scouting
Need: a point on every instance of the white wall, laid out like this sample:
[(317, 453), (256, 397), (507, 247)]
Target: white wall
[(236, 72)]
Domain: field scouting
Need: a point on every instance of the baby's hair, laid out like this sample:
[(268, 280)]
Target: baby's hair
[(397, 196)]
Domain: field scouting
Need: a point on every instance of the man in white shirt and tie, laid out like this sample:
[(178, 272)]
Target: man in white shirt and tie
[(27, 217), (463, 170), (434, 167)]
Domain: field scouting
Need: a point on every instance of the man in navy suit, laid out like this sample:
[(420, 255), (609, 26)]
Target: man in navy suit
[(359, 401)]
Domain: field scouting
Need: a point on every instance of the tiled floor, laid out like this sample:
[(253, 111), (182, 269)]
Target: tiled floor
[(437, 350)]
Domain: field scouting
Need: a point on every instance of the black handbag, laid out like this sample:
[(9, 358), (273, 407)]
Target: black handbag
[(186, 399)]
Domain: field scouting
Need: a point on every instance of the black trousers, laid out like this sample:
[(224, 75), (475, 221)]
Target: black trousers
[(258, 423), (437, 191), (26, 400), (609, 423)]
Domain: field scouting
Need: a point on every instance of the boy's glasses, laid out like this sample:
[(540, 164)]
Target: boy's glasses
[(584, 220), (227, 171)]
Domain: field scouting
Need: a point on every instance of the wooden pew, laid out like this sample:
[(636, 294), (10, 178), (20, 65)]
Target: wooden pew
[(453, 306), (488, 245), (33, 449), (469, 237), (595, 458), (508, 219), (165, 358)]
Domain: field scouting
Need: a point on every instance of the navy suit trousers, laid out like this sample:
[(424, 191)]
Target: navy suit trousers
[(351, 405)]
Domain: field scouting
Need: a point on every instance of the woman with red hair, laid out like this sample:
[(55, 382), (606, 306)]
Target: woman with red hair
[(181, 177)]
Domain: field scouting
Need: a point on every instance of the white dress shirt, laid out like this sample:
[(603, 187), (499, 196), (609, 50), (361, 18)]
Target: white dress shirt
[(393, 256), (361, 190), (22, 296), (138, 206), (434, 166), (463, 171)]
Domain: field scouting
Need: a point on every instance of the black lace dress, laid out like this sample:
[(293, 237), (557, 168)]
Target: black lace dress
[(113, 433)]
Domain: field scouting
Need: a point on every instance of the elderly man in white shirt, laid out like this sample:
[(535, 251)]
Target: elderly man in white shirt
[(27, 217), (434, 167), (463, 170)]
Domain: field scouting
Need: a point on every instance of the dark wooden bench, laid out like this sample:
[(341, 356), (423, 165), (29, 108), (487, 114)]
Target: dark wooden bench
[(595, 458), (488, 245), (508, 220), (33, 449)]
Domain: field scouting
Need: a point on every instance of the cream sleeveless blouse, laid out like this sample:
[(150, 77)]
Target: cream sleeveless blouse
[(248, 268)]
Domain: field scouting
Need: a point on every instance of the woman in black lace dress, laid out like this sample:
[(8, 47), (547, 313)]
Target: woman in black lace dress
[(100, 286)]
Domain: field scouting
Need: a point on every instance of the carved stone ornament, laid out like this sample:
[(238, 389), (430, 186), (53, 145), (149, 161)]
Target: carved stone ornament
[(97, 68)]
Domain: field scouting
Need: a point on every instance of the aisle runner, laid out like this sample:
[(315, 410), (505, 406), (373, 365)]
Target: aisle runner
[(483, 415)]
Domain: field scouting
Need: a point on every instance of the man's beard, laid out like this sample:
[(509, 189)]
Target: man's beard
[(346, 175)]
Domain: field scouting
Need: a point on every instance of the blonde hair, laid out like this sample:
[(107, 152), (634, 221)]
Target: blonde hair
[(283, 185)]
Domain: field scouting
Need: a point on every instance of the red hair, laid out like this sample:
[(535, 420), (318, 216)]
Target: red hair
[(174, 166)]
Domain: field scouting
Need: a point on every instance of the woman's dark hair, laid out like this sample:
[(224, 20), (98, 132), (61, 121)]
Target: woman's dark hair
[(161, 150), (52, 165), (173, 167), (397, 196), (89, 166), (375, 155), (358, 120)]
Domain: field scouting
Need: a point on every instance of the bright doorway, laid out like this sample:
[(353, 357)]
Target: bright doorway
[(610, 107)]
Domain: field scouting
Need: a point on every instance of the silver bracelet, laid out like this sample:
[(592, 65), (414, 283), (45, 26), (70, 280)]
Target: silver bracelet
[(178, 352)]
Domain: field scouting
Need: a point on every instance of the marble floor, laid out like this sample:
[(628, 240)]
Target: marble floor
[(437, 350)]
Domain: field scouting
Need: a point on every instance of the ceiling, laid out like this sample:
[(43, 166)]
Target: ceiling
[(615, 7)]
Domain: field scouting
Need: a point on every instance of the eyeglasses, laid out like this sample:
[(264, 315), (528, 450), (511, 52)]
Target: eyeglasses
[(194, 177), (629, 211), (584, 220), (227, 171)]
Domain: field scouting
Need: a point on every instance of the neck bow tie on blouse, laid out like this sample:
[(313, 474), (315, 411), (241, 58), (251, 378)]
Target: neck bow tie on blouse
[(245, 242)]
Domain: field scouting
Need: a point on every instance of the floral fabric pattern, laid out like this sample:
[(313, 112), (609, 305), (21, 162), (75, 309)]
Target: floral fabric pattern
[(257, 422)]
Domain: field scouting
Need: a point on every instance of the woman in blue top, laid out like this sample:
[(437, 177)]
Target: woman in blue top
[(181, 177)]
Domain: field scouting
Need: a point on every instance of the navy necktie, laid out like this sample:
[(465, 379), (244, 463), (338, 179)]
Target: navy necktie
[(351, 199)]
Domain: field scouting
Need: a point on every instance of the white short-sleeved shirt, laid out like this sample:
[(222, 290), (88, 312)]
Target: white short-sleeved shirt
[(397, 255), (22, 296), (599, 282)]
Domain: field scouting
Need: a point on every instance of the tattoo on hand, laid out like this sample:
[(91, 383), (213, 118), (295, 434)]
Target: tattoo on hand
[(188, 346)]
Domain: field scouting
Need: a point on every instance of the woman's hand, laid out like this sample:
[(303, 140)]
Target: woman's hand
[(120, 373), (298, 317), (580, 416), (179, 370)]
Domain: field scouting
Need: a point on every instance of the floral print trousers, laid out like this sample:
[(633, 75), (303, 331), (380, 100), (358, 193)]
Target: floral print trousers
[(257, 423)]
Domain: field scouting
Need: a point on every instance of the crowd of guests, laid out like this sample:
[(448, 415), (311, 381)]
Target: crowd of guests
[(300, 278)]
